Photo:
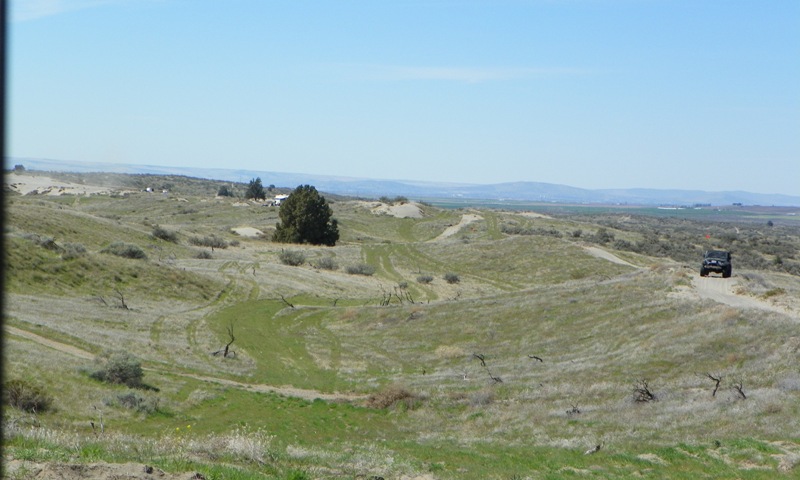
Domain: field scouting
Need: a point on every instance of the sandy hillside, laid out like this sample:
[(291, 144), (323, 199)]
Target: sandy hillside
[(406, 210), (43, 185)]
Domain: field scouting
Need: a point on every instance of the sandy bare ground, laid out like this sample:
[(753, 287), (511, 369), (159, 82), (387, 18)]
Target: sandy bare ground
[(249, 232), (39, 185), (287, 391), (466, 219), (107, 471), (534, 215), (90, 471), (406, 210)]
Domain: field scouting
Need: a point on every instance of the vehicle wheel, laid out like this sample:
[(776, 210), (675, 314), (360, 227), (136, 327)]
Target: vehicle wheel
[(703, 272), (726, 273)]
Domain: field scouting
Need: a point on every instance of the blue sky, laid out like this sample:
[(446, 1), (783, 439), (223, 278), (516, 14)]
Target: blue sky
[(685, 94)]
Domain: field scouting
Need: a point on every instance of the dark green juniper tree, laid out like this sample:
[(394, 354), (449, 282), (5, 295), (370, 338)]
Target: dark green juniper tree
[(306, 218), (255, 189)]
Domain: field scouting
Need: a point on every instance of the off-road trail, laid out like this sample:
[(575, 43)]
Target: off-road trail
[(722, 290), (718, 289), (466, 219), (287, 391), (61, 347), (600, 253)]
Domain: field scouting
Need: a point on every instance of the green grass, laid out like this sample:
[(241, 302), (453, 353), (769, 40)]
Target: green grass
[(33, 269)]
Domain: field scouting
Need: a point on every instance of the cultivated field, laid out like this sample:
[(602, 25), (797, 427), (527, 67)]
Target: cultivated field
[(464, 343)]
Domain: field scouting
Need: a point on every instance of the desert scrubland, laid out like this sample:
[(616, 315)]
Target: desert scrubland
[(428, 343)]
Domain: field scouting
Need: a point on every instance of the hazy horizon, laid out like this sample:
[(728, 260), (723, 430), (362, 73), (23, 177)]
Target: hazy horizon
[(347, 185)]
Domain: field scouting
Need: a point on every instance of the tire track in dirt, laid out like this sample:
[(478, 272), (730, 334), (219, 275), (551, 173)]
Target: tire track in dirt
[(285, 390)]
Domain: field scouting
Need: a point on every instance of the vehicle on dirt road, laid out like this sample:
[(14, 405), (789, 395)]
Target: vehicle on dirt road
[(718, 261)]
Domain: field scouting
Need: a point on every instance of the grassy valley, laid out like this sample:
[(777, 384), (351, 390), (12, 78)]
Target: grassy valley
[(453, 343)]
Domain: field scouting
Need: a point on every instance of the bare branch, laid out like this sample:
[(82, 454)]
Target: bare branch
[(737, 386), (574, 410), (225, 351), (480, 357), (286, 302), (121, 299), (716, 380), (642, 393), (535, 358)]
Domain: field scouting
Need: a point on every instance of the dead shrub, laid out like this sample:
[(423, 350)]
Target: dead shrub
[(391, 397), (642, 392)]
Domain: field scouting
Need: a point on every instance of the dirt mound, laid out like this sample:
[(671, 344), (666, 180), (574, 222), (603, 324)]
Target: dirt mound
[(91, 471)]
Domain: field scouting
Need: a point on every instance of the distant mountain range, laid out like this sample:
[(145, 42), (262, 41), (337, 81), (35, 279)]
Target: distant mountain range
[(514, 191)]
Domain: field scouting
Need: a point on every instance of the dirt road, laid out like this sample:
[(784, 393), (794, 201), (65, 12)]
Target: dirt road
[(466, 219), (723, 290), (600, 253)]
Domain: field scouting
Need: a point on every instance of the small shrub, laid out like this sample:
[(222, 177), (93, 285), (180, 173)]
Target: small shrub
[(45, 242), (297, 475), (164, 234), (208, 241), (26, 396), (134, 401), (118, 367), (126, 250), (327, 263), (451, 278), (203, 255), (292, 258), (772, 292), (603, 236), (73, 251), (424, 279), (360, 269)]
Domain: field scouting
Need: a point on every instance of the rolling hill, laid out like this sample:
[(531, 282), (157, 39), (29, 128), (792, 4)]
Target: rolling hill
[(481, 343)]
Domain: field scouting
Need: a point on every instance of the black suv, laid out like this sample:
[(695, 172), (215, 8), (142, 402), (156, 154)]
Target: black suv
[(716, 261)]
